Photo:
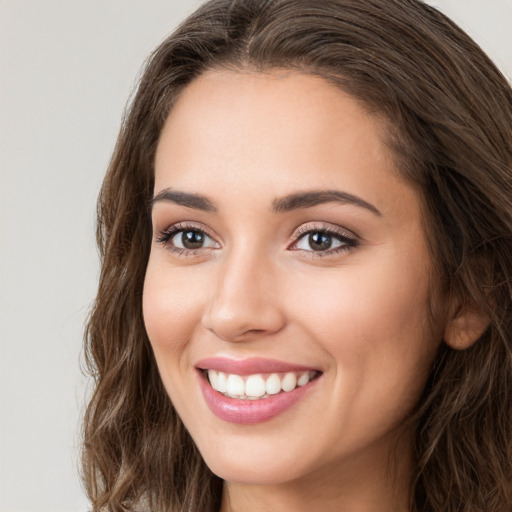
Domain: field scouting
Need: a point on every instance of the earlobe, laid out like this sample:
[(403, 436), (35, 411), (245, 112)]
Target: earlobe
[(465, 328)]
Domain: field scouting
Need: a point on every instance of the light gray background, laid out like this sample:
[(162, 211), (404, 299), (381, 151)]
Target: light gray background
[(66, 70)]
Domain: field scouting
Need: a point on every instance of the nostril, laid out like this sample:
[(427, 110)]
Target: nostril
[(244, 325), (254, 331)]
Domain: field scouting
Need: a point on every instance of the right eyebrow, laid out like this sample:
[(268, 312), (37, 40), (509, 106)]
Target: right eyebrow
[(187, 199)]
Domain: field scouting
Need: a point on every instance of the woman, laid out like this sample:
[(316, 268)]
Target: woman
[(305, 299)]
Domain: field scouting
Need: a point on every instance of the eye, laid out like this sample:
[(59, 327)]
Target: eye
[(190, 239), (183, 239), (323, 241)]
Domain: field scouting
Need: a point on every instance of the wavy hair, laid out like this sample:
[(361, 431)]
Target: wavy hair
[(450, 113)]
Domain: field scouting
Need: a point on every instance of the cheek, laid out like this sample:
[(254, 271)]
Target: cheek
[(171, 309), (374, 326), (357, 305)]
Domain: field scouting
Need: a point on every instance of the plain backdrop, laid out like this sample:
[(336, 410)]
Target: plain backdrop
[(66, 71)]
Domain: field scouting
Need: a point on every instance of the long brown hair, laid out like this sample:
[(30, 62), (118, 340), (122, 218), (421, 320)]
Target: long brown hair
[(450, 111)]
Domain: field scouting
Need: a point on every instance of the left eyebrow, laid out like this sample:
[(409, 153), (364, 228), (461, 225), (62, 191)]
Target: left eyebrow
[(315, 197)]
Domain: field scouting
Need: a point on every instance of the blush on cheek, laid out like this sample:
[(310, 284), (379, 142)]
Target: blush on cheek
[(170, 310)]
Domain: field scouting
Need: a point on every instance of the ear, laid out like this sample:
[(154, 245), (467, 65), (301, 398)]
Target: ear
[(465, 327)]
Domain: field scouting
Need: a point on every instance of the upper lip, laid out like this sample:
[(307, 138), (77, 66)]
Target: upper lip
[(250, 366)]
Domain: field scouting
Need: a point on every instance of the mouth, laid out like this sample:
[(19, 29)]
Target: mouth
[(253, 390), (257, 386)]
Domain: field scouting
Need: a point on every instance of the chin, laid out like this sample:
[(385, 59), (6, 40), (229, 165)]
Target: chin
[(258, 467), (251, 473)]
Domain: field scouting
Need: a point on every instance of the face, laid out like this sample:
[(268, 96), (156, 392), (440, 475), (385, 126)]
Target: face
[(288, 269)]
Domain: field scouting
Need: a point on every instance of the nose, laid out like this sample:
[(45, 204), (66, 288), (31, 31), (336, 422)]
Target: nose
[(245, 302)]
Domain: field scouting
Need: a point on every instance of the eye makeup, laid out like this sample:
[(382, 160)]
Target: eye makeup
[(321, 240)]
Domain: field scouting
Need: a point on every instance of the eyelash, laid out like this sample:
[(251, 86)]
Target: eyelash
[(165, 236), (348, 241)]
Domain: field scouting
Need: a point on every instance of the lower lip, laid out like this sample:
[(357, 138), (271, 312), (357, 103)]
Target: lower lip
[(250, 411)]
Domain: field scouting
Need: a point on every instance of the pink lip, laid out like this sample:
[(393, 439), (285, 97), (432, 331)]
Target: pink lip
[(248, 412), (249, 366)]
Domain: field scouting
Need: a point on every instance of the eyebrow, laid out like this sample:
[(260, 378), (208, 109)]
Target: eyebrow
[(315, 197), (195, 201), (284, 204)]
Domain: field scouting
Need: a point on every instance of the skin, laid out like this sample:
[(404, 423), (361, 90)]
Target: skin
[(257, 289)]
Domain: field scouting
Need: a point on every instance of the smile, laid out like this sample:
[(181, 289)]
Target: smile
[(256, 386), (253, 390)]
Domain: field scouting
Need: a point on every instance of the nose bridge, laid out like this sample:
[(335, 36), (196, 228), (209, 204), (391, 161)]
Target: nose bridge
[(243, 303)]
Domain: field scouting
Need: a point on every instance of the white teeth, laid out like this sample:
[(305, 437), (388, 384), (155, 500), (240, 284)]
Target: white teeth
[(221, 383), (289, 382), (235, 385), (303, 379), (273, 384), (253, 387), (213, 378)]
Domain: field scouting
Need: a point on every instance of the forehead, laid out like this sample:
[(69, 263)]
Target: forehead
[(274, 132), (266, 102)]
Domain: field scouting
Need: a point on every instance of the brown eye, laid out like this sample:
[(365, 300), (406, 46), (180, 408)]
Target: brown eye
[(323, 241), (183, 238), (191, 239), (319, 241)]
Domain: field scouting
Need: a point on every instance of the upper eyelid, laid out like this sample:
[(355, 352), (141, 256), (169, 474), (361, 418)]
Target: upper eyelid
[(184, 225), (327, 227), (298, 231)]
